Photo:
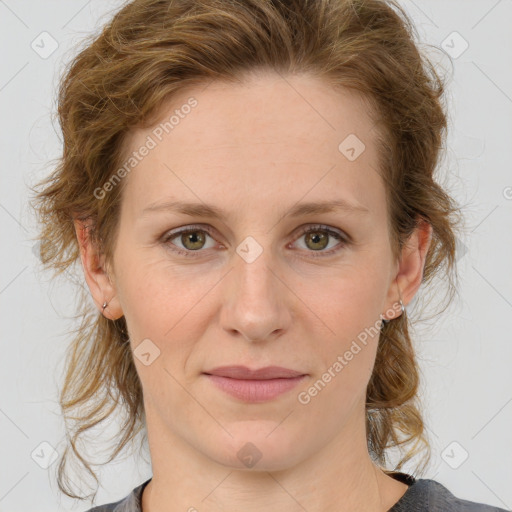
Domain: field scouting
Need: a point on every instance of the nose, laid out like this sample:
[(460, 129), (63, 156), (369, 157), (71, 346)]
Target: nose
[(257, 301)]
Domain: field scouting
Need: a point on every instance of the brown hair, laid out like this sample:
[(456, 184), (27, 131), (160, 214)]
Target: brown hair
[(152, 49)]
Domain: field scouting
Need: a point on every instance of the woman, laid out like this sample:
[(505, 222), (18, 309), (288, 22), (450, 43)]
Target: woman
[(250, 189)]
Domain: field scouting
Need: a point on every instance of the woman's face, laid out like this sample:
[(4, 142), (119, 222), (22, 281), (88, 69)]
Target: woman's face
[(248, 287)]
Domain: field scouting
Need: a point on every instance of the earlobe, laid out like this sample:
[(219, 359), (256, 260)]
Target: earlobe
[(96, 274)]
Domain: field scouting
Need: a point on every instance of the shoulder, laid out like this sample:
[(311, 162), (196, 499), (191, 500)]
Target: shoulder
[(429, 495), (131, 503)]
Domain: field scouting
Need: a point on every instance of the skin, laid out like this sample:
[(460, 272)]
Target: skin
[(255, 149)]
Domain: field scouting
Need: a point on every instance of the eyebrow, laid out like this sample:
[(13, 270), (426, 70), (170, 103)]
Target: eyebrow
[(207, 210)]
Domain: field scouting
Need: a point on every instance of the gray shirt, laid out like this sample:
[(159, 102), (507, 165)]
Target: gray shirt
[(423, 495)]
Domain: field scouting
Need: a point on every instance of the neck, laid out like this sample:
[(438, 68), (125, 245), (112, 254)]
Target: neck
[(339, 477)]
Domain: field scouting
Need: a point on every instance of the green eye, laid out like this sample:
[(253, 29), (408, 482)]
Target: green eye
[(192, 238), (317, 238)]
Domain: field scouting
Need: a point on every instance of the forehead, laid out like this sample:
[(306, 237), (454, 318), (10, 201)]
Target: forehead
[(261, 140)]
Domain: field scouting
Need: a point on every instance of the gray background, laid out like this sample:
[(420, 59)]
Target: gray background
[(465, 355)]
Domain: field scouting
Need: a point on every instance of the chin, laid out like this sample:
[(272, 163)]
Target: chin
[(255, 446)]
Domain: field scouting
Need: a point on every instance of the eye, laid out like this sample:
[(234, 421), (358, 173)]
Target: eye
[(319, 237), (191, 238)]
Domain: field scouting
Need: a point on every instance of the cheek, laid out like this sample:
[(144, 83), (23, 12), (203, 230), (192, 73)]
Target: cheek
[(348, 301), (346, 356), (349, 307), (162, 302)]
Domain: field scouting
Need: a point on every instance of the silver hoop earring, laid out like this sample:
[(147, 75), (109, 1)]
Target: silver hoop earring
[(402, 308), (105, 304)]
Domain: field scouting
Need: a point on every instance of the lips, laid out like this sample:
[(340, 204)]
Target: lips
[(254, 386), (266, 373)]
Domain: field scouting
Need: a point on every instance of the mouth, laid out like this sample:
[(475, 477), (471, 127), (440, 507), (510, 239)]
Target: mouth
[(266, 373), (254, 386)]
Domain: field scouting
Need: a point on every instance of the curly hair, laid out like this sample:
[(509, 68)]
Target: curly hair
[(152, 49)]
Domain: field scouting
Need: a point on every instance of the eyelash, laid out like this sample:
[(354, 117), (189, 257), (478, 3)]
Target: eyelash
[(207, 229)]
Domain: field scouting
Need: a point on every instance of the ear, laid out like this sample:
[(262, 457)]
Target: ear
[(409, 274), (98, 279)]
